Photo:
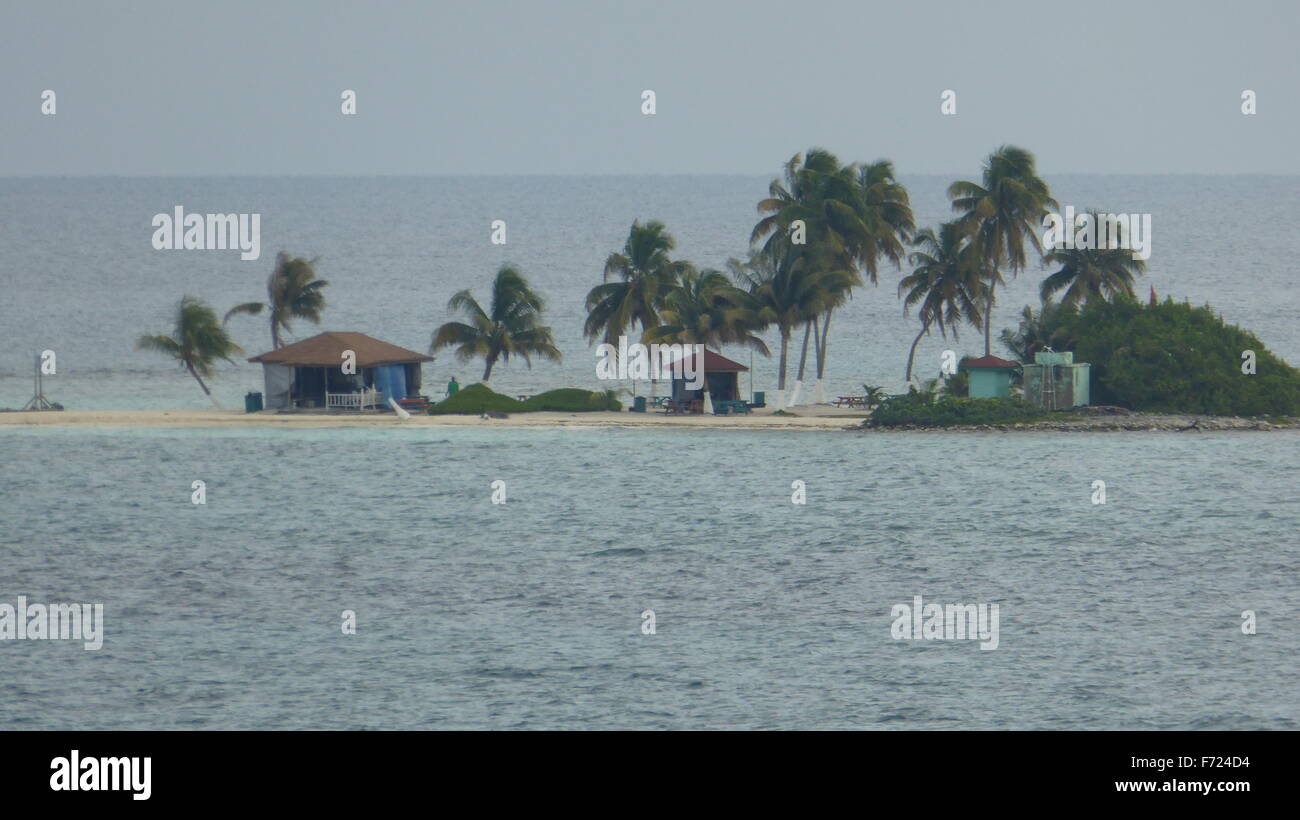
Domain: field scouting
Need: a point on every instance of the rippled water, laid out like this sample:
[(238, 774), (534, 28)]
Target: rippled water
[(769, 614)]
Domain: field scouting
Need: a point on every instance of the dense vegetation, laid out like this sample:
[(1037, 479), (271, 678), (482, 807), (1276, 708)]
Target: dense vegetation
[(478, 398), (923, 409), (474, 400), (1168, 357), (571, 400)]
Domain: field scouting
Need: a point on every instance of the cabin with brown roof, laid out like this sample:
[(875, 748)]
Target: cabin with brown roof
[(721, 376), (340, 370)]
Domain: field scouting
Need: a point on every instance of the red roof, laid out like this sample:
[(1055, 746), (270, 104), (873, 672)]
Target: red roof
[(713, 363), (989, 362), (326, 350)]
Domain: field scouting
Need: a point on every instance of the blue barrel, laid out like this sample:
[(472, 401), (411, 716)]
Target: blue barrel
[(252, 402), (759, 399), (638, 404)]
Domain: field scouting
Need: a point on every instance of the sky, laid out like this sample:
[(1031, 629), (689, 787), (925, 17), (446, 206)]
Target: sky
[(254, 88)]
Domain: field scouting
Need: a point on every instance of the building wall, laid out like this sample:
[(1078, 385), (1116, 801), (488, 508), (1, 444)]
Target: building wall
[(989, 384)]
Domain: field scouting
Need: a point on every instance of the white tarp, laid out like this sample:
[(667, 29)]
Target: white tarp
[(279, 381)]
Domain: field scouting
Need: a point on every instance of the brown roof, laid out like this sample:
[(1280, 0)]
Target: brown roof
[(989, 362), (713, 363), (326, 350)]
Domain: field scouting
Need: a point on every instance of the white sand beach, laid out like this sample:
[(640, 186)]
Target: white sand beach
[(807, 418), (825, 419)]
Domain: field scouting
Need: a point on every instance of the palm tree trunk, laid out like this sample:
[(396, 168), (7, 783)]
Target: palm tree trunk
[(206, 391), (819, 394), (907, 377), (780, 380), (803, 356), (988, 320), (803, 362), (826, 332), (487, 371)]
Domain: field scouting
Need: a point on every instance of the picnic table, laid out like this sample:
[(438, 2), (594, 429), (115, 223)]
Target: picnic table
[(850, 401), (728, 407), (692, 406)]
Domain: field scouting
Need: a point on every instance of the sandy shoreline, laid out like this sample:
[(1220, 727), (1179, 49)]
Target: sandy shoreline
[(839, 420), (809, 418)]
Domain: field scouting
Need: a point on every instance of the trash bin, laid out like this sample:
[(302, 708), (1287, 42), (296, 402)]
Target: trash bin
[(759, 397), (638, 404), (252, 402)]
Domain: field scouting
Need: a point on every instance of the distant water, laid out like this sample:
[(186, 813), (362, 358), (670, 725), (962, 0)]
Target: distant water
[(769, 615), (78, 274)]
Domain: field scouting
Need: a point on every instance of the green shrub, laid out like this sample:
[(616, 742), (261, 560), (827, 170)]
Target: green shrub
[(474, 400), (1176, 358), (924, 410), (477, 399), (572, 400)]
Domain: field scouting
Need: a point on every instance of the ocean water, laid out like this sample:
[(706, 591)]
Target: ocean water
[(528, 614), (79, 276), (772, 615)]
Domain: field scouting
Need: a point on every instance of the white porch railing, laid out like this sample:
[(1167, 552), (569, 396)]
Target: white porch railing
[(353, 401)]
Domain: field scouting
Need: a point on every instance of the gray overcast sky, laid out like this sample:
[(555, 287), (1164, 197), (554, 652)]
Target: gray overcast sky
[(235, 87)]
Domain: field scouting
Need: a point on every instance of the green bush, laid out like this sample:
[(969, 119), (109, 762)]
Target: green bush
[(572, 400), (1176, 358), (477, 399), (474, 400), (924, 410)]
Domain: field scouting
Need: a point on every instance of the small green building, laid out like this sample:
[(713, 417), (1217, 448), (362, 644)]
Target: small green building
[(1055, 382), (990, 377)]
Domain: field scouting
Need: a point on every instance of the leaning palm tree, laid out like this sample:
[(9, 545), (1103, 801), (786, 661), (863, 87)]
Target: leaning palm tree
[(1002, 211), (948, 282), (197, 341), (1091, 273), (293, 292), (644, 273), (509, 328)]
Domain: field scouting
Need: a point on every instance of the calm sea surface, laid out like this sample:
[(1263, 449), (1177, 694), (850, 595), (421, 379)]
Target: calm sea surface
[(527, 614), (768, 614)]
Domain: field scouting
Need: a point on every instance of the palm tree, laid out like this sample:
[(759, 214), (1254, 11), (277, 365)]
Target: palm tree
[(645, 273), (1001, 213), (818, 192), (293, 292), (1088, 273), (872, 395), (948, 282), (853, 216), (509, 328), (784, 292), (705, 308), (197, 341), (1039, 330), (881, 226)]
